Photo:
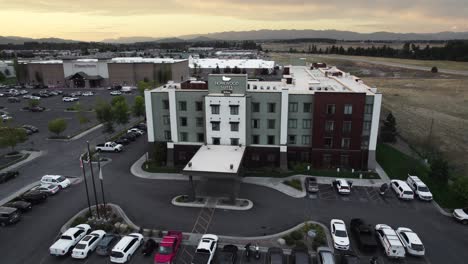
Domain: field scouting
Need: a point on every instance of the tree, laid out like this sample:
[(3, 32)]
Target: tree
[(460, 188), (434, 69), (104, 115), (388, 132), (10, 137), (138, 108), (120, 111), (2, 77), (57, 126), (33, 103), (117, 99), (7, 72), (439, 169), (142, 86)]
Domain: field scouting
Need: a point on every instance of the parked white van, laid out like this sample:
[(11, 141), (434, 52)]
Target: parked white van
[(390, 241), (124, 249), (58, 180), (419, 188), (402, 190)]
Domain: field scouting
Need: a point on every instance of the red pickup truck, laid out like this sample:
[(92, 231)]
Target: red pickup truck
[(168, 248)]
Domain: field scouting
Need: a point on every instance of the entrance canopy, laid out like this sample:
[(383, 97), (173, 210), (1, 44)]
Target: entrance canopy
[(216, 161)]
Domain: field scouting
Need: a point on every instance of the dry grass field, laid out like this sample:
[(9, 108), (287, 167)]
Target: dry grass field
[(417, 99)]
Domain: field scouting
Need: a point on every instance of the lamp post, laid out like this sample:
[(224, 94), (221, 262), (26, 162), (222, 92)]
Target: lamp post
[(92, 178), (101, 180), (86, 185)]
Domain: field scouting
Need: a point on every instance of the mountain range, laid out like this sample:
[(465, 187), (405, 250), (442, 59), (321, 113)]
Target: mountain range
[(265, 34)]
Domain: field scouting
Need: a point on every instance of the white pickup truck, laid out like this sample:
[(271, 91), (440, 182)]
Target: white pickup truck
[(206, 249), (109, 147), (69, 239)]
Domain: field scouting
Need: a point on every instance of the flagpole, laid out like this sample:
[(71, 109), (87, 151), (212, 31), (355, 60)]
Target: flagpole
[(92, 178), (86, 185), (101, 179)]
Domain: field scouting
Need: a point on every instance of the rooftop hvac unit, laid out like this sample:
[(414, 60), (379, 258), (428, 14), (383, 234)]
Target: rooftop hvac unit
[(190, 164), (231, 166)]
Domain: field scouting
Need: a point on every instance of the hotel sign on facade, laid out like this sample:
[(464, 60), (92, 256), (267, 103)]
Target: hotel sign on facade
[(227, 84)]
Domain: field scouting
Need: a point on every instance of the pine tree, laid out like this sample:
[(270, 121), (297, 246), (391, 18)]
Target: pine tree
[(388, 131)]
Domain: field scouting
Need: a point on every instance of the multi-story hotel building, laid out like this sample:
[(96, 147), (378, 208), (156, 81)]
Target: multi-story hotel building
[(320, 116)]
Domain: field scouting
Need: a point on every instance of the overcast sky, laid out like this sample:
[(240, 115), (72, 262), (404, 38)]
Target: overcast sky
[(99, 19)]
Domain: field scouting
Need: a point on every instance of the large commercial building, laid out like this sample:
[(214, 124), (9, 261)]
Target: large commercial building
[(252, 67), (89, 73), (320, 116)]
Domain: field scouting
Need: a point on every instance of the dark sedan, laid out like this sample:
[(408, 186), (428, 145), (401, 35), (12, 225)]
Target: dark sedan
[(6, 176), (364, 235), (106, 244), (228, 255), (22, 206), (123, 141), (149, 246), (275, 256), (34, 196), (300, 256)]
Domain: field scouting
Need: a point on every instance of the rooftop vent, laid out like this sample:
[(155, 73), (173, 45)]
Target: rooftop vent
[(231, 166), (190, 164)]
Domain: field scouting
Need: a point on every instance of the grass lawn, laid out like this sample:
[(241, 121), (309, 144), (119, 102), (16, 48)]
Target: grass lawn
[(397, 165), (152, 167)]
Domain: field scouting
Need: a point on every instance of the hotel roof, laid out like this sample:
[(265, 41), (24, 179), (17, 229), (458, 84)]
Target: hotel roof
[(216, 158), (144, 60), (212, 63)]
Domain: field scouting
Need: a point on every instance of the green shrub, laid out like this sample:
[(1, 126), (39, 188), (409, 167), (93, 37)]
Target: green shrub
[(300, 244), (295, 183), (296, 235), (78, 221), (289, 240), (320, 238)]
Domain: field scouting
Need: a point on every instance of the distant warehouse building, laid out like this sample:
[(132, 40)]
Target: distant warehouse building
[(89, 73), (252, 67), (318, 116)]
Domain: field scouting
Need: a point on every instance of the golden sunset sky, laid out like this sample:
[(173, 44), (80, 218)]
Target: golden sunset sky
[(94, 20)]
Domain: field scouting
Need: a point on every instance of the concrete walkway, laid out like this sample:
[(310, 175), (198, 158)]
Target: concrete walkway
[(32, 156), (86, 132)]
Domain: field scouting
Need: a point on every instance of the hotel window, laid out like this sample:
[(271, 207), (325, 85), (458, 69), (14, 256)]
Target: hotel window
[(234, 109), (255, 123), (292, 123), (305, 140), (306, 123), (344, 161), (215, 109), (293, 107), (367, 125), (368, 108), (165, 104), (330, 109), (307, 107), (200, 137), (347, 126), (291, 139), (234, 126), (234, 141), (329, 126), (183, 121), (183, 106), (271, 140), (215, 126), (167, 135), (326, 160), (271, 107), (255, 139), (255, 157), (166, 120), (255, 107), (328, 142), (271, 157), (345, 143), (183, 136), (216, 140), (199, 106), (365, 143), (305, 156), (271, 123), (199, 121), (348, 109)]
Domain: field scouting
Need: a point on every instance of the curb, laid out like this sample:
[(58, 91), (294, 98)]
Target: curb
[(440, 209), (137, 171), (32, 156), (216, 206), (18, 192)]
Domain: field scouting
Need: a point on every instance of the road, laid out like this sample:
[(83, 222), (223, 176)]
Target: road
[(394, 64)]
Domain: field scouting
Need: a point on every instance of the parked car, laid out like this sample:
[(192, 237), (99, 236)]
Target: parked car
[(133, 136), (6, 176), (136, 130), (6, 117), (410, 241), (109, 147), (58, 180), (31, 128), (227, 255), (114, 93), (28, 132), (106, 244), (364, 235), (69, 239), (34, 196), (168, 247), (22, 206), (122, 141), (49, 189), (13, 100), (149, 246), (9, 215), (339, 234), (461, 215), (349, 257), (87, 244), (300, 256), (126, 247), (342, 186), (88, 93), (311, 184), (206, 249), (275, 256), (402, 190), (390, 242), (419, 188), (70, 99), (37, 109), (141, 126)]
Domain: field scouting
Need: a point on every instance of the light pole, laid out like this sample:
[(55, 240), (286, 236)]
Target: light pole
[(92, 178)]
